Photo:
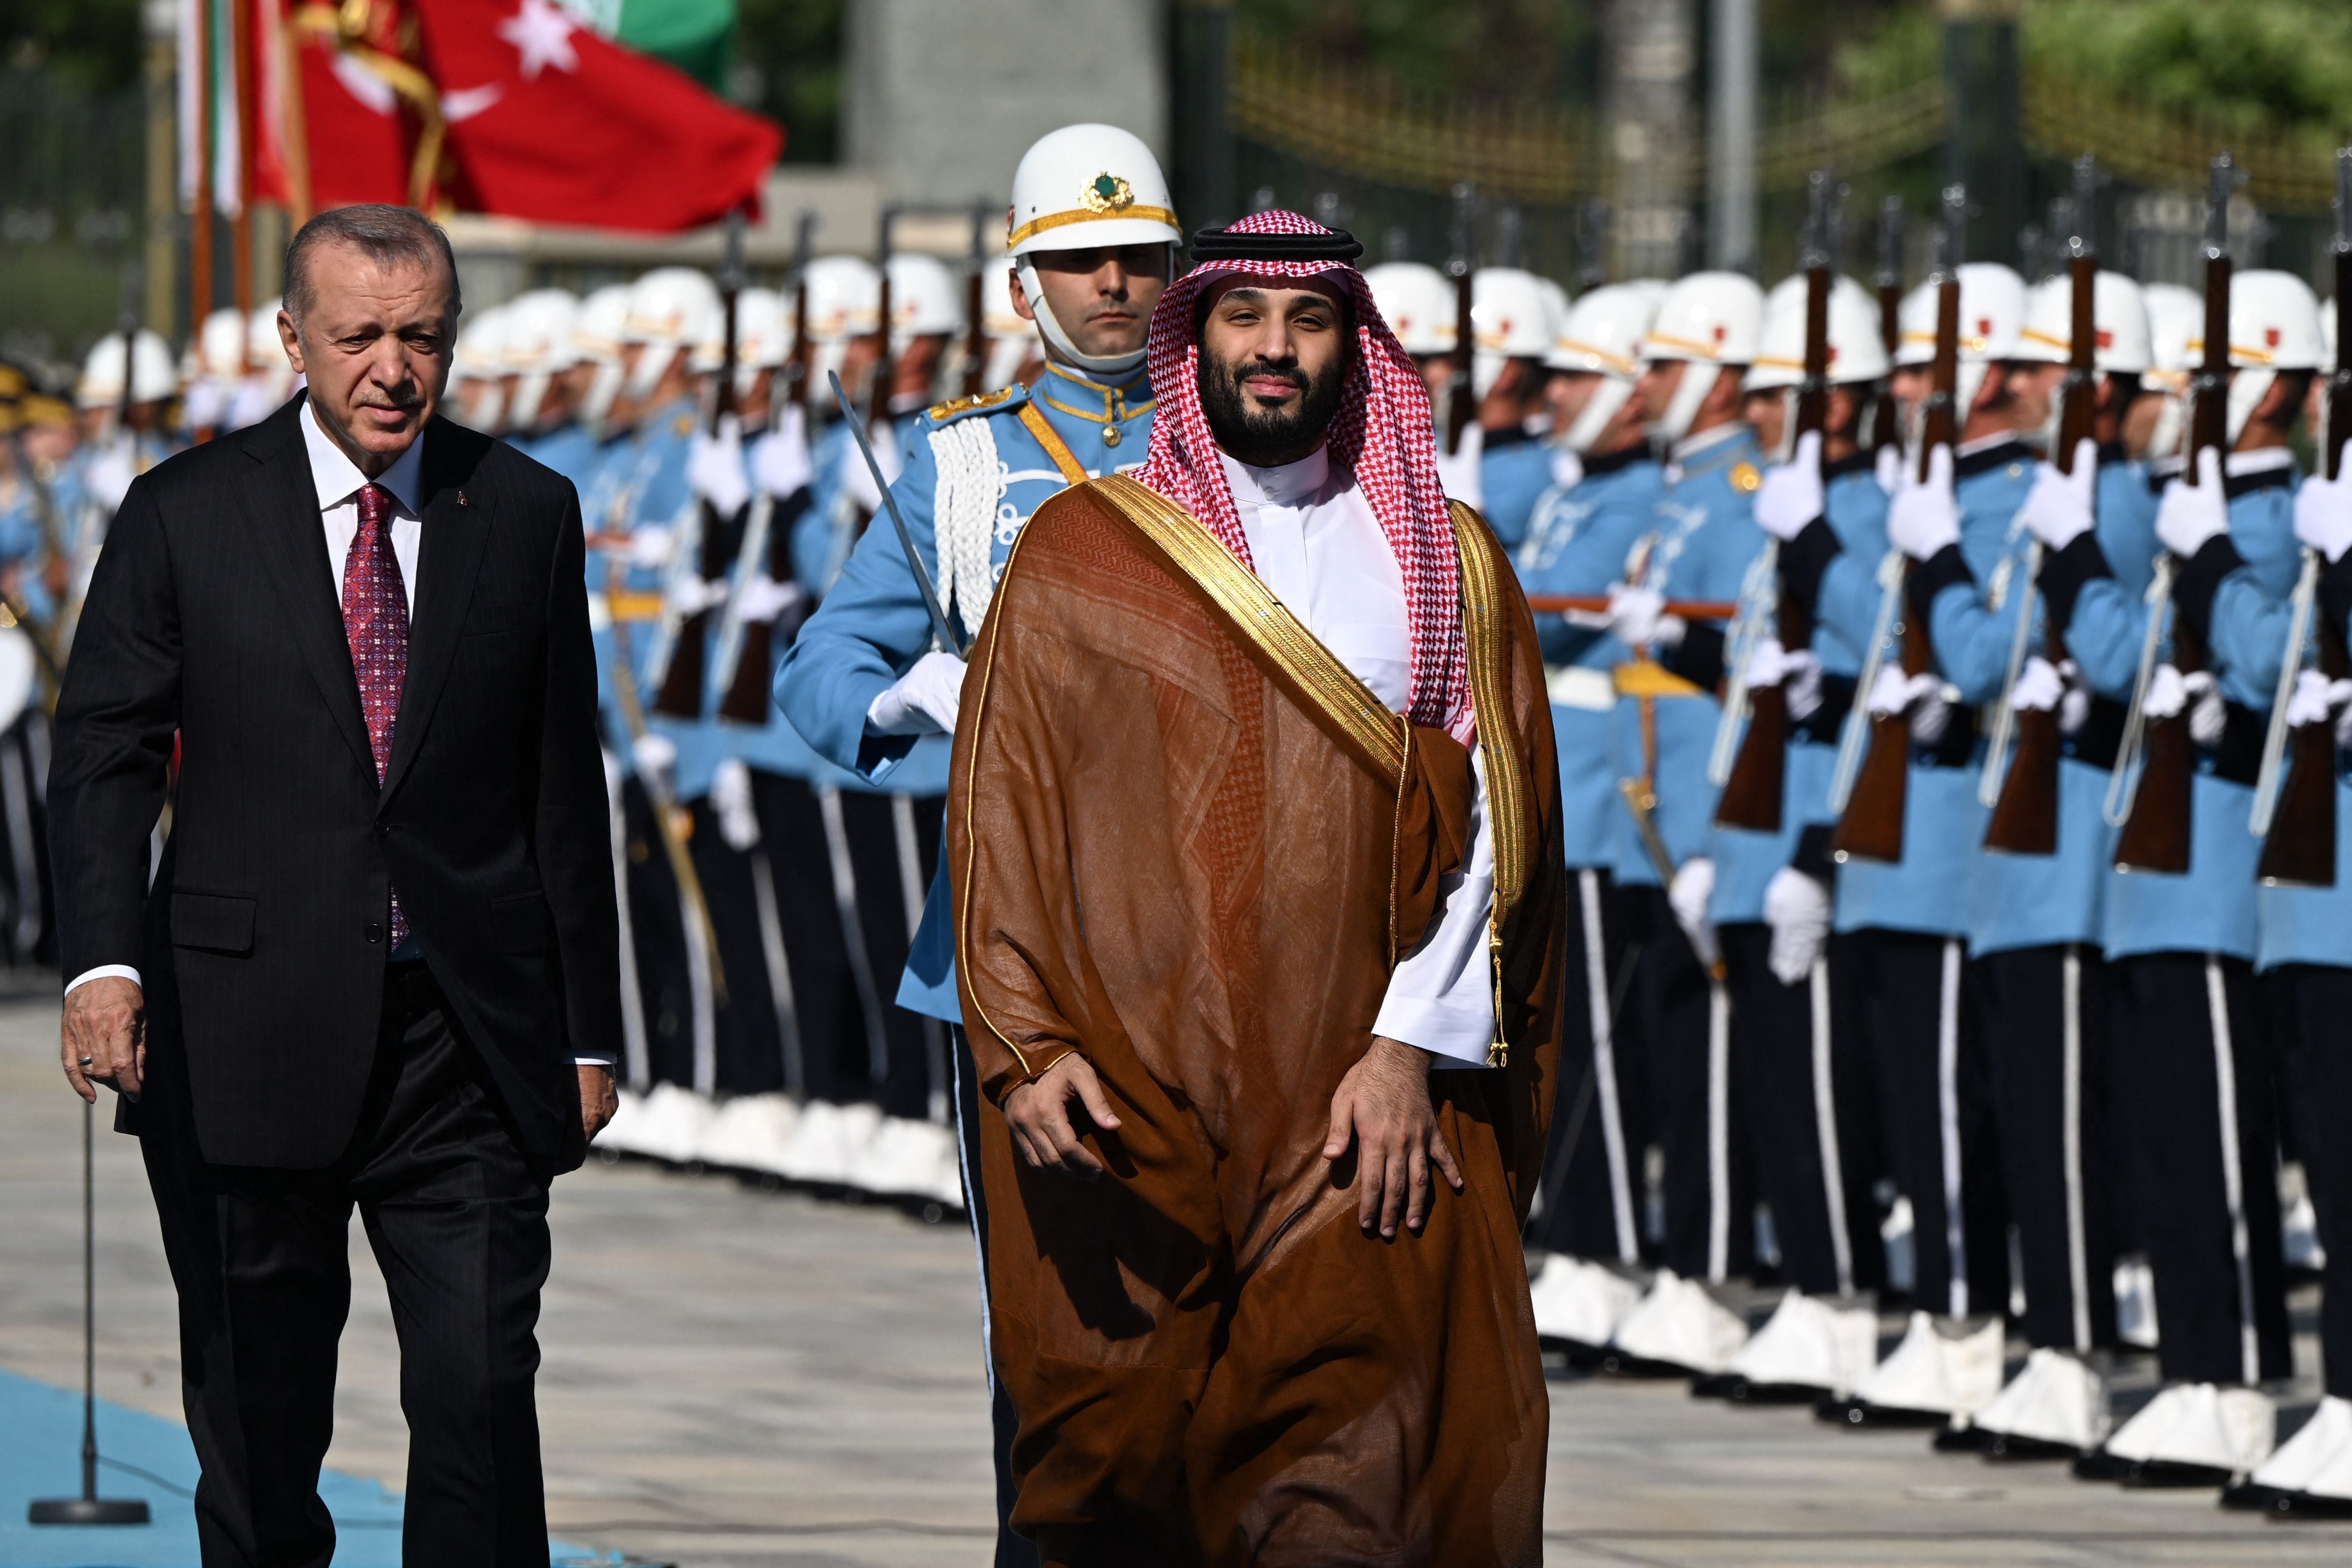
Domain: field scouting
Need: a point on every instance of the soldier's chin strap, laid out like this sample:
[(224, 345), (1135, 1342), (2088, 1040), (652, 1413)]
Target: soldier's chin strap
[(1096, 364), (1607, 398)]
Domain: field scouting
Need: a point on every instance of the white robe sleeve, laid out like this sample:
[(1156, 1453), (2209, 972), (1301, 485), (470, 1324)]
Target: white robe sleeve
[(1442, 995)]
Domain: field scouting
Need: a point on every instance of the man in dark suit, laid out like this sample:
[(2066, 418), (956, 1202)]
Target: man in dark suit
[(373, 965)]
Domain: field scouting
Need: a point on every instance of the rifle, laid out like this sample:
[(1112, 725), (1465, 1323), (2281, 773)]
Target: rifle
[(1598, 604), (797, 367), (1871, 825), (975, 305), (877, 396), (684, 676), (1755, 781), (747, 646), (2298, 822), (1885, 430), (2025, 812), (1461, 399), (2161, 814)]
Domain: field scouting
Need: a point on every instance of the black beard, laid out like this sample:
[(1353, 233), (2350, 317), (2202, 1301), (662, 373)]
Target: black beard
[(1267, 439)]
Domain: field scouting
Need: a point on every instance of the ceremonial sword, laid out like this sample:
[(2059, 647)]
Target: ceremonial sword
[(939, 623)]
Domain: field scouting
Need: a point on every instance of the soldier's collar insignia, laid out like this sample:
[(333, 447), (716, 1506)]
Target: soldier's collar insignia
[(1106, 192)]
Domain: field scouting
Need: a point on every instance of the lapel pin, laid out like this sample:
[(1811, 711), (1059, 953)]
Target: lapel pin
[(464, 500)]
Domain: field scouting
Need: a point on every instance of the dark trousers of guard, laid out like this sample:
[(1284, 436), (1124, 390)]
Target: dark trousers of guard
[(2312, 1009), (1920, 1006), (1592, 1193), (2046, 1011), (2201, 1099), (1810, 1103), (458, 1218), (1684, 1033)]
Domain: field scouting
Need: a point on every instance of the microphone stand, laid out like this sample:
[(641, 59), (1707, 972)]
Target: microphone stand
[(88, 1507)]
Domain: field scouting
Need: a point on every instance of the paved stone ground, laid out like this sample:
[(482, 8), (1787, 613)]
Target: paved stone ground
[(741, 1379)]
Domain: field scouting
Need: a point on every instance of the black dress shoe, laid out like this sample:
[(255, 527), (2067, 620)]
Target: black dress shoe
[(2155, 1475), (2252, 1497), (1729, 1386), (1968, 1439), (1781, 1393), (1861, 1413), (2305, 1505), (2009, 1449), (2099, 1465)]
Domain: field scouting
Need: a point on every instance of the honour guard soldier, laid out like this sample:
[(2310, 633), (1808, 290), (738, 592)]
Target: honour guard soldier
[(1513, 325), (1421, 306), (219, 365), (1806, 1081), (1699, 544), (2199, 1099), (1606, 490), (844, 315), (1092, 236)]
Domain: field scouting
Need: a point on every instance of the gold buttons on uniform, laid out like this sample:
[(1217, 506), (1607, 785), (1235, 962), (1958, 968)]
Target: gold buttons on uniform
[(1110, 435), (1745, 478)]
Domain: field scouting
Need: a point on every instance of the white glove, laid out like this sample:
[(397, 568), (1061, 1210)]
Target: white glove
[(2210, 715), (1790, 495), (2075, 707), (1797, 908), (1635, 613), (107, 477), (649, 547), (714, 468), (204, 404), (653, 754), (731, 799), (779, 460), (2190, 514), (1566, 468), (1921, 697), (2167, 693), (924, 700), (1887, 468), (2058, 509), (1694, 886), (1924, 517), (2039, 687), (692, 595), (1768, 664), (765, 598), (2315, 698), (2323, 513)]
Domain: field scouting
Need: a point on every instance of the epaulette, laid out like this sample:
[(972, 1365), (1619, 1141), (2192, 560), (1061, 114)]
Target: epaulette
[(955, 408)]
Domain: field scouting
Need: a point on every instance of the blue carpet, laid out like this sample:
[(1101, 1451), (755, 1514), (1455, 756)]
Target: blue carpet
[(141, 1456)]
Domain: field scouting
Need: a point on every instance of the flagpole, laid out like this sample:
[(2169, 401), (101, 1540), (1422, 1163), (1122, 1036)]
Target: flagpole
[(241, 225), (199, 215)]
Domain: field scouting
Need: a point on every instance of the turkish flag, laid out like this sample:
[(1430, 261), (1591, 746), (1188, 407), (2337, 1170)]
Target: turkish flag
[(548, 121)]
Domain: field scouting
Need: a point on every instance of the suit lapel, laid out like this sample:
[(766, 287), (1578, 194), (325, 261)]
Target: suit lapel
[(449, 556), (282, 514)]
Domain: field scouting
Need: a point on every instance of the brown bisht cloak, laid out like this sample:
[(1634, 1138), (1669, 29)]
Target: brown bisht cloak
[(1187, 842)]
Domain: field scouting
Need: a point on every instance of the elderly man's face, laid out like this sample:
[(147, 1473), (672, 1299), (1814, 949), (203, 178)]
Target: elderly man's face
[(1274, 358), (374, 343)]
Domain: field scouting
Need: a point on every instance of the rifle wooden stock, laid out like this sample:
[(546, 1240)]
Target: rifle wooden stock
[(1461, 394), (751, 691), (2300, 849), (2025, 816)]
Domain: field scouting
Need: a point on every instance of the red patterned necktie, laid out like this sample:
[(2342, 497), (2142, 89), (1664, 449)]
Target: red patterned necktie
[(376, 623)]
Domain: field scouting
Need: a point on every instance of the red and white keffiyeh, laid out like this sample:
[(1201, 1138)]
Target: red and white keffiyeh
[(1383, 433)]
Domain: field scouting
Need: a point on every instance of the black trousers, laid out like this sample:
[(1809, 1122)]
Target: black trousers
[(1682, 1022), (2313, 1008), (2045, 1016), (1918, 1004), (1592, 1185), (458, 1218), (1012, 1550), (1812, 1113), (2199, 1092)]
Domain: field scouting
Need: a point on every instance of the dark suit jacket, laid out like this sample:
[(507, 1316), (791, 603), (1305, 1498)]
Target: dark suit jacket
[(212, 615)]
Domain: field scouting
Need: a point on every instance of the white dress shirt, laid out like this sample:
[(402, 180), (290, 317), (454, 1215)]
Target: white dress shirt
[(1319, 549)]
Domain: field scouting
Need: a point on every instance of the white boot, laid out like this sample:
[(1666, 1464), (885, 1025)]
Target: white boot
[(669, 1125), (1580, 1301), (750, 1133), (1930, 1377), (2189, 1435), (2055, 1408), (2316, 1460), (1679, 1327), (1809, 1347), (829, 1144)]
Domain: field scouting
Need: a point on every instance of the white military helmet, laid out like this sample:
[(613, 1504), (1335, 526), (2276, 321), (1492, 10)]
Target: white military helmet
[(2175, 315), (764, 336), (1417, 302), (596, 337), (265, 350), (220, 345), (2118, 317), (479, 356), (1857, 351), (1012, 339), (153, 376), (845, 299), (1081, 186), (1992, 315), (926, 299), (671, 308), (1601, 336), (2274, 326), (541, 343), (1510, 319), (1711, 319)]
